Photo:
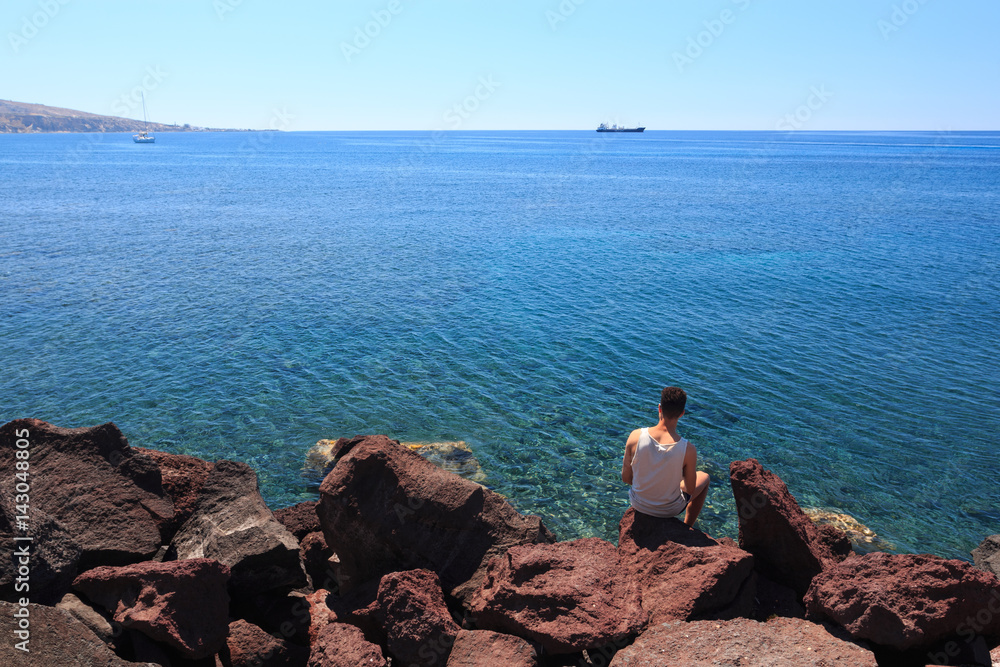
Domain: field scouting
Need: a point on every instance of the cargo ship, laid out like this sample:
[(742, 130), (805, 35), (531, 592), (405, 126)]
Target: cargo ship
[(604, 127)]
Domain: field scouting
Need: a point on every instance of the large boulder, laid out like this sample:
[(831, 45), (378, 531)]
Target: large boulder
[(787, 546), (906, 601), (418, 627), (249, 646), (384, 509), (744, 642), (182, 478), (485, 648), (343, 645), (568, 596), (55, 638), (106, 495), (183, 604), (987, 555), (48, 563), (300, 519), (682, 573), (234, 526)]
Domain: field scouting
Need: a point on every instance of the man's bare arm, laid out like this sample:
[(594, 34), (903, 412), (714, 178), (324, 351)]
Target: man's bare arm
[(630, 445), (690, 469)]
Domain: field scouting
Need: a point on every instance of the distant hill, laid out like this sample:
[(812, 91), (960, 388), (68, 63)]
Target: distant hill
[(20, 117)]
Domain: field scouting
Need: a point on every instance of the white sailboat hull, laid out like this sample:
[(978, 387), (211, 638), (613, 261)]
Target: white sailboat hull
[(144, 137)]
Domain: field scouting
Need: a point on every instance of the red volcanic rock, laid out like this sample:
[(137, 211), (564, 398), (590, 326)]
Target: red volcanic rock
[(906, 601), (183, 604), (56, 639), (310, 614), (681, 572), (418, 627), (182, 478), (249, 646), (106, 495), (320, 614), (744, 642), (234, 526), (567, 596), (301, 519), (384, 508), (787, 546), (485, 648), (342, 645)]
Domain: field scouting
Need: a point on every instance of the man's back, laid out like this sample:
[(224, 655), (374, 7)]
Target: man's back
[(657, 471), (660, 465)]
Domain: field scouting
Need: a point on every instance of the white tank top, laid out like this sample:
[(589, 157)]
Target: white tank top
[(657, 471)]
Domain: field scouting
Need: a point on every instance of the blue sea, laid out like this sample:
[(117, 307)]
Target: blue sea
[(828, 300)]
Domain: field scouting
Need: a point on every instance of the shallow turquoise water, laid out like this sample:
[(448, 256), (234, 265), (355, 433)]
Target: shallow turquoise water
[(829, 301)]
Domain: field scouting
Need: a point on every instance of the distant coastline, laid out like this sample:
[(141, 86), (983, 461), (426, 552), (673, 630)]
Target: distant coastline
[(23, 118)]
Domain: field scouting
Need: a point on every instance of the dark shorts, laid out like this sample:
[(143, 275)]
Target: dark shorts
[(686, 497)]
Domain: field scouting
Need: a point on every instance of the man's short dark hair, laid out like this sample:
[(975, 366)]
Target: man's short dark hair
[(672, 401)]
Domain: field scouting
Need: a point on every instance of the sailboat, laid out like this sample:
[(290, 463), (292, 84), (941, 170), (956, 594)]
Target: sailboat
[(143, 137)]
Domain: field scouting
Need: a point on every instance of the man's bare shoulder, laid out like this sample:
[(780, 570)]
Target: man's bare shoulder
[(633, 437)]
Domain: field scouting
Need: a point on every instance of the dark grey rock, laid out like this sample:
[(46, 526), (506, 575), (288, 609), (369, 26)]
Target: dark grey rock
[(987, 555), (53, 556), (57, 639), (98, 620), (106, 495), (234, 526)]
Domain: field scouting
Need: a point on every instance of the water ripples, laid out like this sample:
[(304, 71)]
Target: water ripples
[(831, 307)]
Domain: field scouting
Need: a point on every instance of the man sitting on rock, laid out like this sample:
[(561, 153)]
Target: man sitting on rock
[(660, 465)]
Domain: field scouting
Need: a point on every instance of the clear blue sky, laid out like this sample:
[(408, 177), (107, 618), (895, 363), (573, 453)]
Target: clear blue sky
[(831, 64)]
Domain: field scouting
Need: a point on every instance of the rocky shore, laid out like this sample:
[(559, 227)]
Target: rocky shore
[(22, 118), (144, 557)]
